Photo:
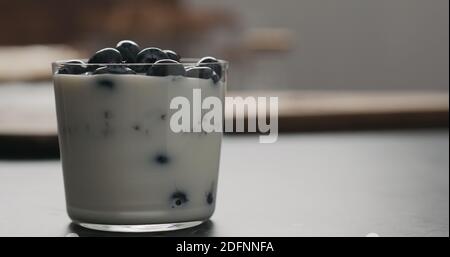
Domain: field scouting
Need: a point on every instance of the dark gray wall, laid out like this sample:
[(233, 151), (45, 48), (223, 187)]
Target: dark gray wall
[(348, 44)]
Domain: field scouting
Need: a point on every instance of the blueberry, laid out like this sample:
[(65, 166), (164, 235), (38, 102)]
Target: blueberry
[(166, 67), (114, 69), (178, 198), (162, 159), (202, 73), (107, 115), (105, 83), (129, 50), (215, 78), (212, 63), (73, 67), (172, 55), (209, 198), (137, 127), (106, 55), (149, 55), (199, 72)]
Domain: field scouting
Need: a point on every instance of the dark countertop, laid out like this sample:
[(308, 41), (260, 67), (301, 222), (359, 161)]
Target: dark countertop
[(392, 183)]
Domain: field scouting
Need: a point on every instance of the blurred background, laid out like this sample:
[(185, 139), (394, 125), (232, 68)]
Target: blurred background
[(336, 65)]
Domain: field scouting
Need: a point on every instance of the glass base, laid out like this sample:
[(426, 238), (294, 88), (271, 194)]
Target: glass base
[(141, 228)]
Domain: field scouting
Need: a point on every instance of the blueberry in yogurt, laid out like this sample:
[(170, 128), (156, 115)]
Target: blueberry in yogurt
[(161, 159), (178, 199), (107, 115), (113, 69), (172, 55), (166, 67), (209, 198), (105, 83), (149, 55), (212, 63), (73, 67), (136, 127), (202, 73), (129, 50), (106, 55)]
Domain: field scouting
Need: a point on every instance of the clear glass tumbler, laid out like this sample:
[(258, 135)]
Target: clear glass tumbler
[(124, 167)]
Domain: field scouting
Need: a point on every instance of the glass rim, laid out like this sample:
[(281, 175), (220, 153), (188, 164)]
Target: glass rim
[(183, 61)]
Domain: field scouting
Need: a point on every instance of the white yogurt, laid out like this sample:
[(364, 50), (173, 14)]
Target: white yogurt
[(122, 163)]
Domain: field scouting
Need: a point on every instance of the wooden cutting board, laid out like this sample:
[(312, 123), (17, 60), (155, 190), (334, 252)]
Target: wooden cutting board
[(32, 62), (27, 121), (328, 110)]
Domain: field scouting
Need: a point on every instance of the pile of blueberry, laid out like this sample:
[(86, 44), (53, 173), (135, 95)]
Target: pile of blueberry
[(160, 63)]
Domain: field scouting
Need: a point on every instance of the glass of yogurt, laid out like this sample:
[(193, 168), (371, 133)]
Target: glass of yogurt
[(124, 167)]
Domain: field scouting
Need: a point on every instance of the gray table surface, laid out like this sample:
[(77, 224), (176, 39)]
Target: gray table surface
[(392, 183)]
